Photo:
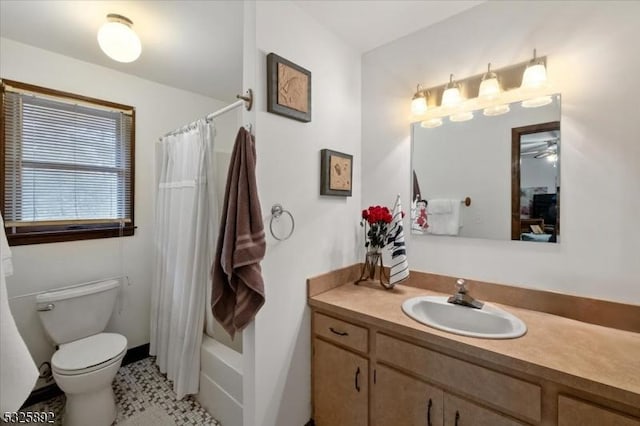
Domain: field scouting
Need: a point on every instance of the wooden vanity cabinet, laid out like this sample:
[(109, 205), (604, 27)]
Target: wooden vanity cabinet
[(363, 376), (574, 412), (401, 400), (340, 372), (340, 386), (459, 412)]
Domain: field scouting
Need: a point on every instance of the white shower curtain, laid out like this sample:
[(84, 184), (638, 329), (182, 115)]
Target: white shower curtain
[(185, 232)]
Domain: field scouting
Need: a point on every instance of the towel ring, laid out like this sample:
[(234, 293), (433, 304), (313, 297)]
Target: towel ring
[(276, 211)]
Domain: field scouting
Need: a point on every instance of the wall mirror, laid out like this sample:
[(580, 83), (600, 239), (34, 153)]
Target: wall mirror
[(492, 177)]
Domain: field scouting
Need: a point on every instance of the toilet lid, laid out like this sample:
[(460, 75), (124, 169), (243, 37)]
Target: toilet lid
[(88, 352)]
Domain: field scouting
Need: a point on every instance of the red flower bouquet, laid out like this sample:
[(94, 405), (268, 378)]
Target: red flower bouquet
[(378, 218)]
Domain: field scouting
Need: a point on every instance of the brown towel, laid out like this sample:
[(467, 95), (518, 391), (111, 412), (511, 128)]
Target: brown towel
[(238, 288)]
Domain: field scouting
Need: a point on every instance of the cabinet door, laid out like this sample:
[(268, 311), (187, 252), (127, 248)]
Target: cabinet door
[(458, 412), (573, 412), (400, 400), (340, 391)]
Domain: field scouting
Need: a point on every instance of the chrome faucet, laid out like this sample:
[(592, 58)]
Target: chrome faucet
[(462, 298)]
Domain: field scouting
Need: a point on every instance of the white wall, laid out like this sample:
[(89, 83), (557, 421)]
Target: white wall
[(538, 172), (591, 63), (327, 232), (41, 267)]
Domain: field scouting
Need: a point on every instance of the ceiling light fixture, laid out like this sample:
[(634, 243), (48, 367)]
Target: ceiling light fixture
[(118, 40), (419, 101)]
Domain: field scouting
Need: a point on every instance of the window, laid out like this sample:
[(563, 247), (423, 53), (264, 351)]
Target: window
[(66, 166)]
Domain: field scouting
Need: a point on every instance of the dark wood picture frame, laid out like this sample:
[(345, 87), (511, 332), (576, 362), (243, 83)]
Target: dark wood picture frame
[(327, 184), (516, 134), (291, 97)]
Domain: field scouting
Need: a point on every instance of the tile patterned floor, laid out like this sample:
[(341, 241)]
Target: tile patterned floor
[(138, 386)]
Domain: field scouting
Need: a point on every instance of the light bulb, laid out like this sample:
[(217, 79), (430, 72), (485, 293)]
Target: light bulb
[(431, 123), (451, 97), (535, 75), (419, 102), (118, 40), (537, 102), (496, 110), (489, 86), (461, 116)]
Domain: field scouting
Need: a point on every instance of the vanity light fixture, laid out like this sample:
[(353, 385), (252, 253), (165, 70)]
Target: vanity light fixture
[(535, 75), (489, 86), (524, 82), (419, 101), (118, 40), (534, 79), (490, 91), (451, 98)]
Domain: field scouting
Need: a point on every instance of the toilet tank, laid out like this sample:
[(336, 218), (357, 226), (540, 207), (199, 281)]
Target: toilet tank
[(73, 313)]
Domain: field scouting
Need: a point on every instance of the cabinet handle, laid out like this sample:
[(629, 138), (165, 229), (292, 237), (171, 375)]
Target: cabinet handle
[(457, 417), (357, 381), (429, 412), (339, 333)]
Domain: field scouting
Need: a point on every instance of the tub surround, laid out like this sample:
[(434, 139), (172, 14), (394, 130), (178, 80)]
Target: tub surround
[(558, 354)]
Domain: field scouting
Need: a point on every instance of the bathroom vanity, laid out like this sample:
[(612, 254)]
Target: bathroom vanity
[(373, 365)]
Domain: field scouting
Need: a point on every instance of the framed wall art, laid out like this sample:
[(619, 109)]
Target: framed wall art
[(288, 89), (336, 173)]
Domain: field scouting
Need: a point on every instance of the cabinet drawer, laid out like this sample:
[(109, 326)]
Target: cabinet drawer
[(341, 332), (512, 395), (458, 412), (573, 412)]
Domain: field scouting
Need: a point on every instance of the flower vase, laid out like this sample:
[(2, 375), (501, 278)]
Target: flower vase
[(372, 260)]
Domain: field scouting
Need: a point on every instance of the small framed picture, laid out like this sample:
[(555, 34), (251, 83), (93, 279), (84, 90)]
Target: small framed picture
[(288, 89), (336, 173)]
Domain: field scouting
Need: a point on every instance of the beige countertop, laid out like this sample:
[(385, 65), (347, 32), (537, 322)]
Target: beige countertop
[(592, 358)]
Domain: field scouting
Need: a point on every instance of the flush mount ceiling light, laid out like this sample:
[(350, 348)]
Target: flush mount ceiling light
[(419, 101), (118, 40)]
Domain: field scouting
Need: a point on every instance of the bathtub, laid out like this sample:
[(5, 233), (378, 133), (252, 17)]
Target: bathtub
[(221, 382)]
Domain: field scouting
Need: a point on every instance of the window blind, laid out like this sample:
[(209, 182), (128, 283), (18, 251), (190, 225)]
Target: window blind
[(65, 163)]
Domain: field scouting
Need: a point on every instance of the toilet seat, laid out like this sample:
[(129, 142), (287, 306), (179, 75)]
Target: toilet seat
[(89, 354)]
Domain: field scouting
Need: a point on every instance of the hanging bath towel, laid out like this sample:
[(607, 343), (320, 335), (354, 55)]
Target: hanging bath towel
[(18, 372), (238, 288)]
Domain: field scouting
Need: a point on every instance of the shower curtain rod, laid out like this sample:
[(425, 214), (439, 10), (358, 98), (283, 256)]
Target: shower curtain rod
[(247, 101)]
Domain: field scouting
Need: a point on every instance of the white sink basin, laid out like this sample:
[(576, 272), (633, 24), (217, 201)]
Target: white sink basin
[(489, 322)]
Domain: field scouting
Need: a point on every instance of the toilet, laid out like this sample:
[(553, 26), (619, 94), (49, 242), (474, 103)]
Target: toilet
[(86, 360)]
